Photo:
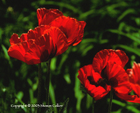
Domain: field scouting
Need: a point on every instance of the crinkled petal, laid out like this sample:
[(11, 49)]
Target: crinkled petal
[(136, 88), (17, 51), (124, 87), (129, 98), (42, 43), (87, 72), (136, 72), (134, 77), (123, 57), (23, 37), (116, 74), (72, 28), (45, 16), (97, 92), (113, 57), (59, 40), (89, 78), (100, 60), (131, 76), (14, 39), (33, 53), (38, 31), (84, 72), (108, 55), (47, 46), (78, 40)]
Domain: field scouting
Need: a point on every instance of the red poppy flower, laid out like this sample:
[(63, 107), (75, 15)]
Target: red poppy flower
[(72, 28), (38, 45), (105, 72), (134, 78)]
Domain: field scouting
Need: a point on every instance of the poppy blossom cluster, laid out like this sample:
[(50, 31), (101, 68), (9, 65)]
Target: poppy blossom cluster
[(106, 72), (52, 37)]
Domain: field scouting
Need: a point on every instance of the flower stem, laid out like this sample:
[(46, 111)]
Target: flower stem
[(39, 87), (47, 81), (110, 103), (93, 105), (39, 84)]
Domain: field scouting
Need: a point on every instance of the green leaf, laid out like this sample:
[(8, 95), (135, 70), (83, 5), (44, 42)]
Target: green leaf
[(52, 95), (130, 36), (35, 86), (64, 108), (89, 101), (67, 78), (130, 49), (133, 109), (119, 111), (78, 93), (61, 4), (128, 11), (53, 64), (31, 95), (89, 40), (29, 82), (19, 97), (63, 59), (6, 55), (85, 14), (137, 20), (86, 49), (129, 107), (5, 52)]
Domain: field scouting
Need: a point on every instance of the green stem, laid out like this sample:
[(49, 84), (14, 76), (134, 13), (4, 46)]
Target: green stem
[(110, 103), (39, 84), (93, 105), (47, 81)]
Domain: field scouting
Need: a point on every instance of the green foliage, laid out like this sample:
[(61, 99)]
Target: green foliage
[(110, 25)]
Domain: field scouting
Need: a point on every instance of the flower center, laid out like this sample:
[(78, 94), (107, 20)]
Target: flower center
[(112, 81), (104, 80)]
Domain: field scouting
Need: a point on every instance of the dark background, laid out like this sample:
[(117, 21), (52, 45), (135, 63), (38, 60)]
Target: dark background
[(110, 25)]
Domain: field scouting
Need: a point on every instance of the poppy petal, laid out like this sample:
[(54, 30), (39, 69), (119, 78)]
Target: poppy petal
[(129, 98), (97, 92), (136, 72), (77, 41), (72, 28), (136, 88), (123, 57), (59, 40), (84, 72), (32, 55), (45, 16), (115, 74), (47, 46), (14, 39), (23, 37), (38, 31), (124, 87), (134, 77), (108, 55), (39, 45), (100, 60), (113, 57), (17, 51)]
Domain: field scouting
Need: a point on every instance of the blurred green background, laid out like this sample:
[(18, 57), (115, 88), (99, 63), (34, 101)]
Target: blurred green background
[(111, 24)]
